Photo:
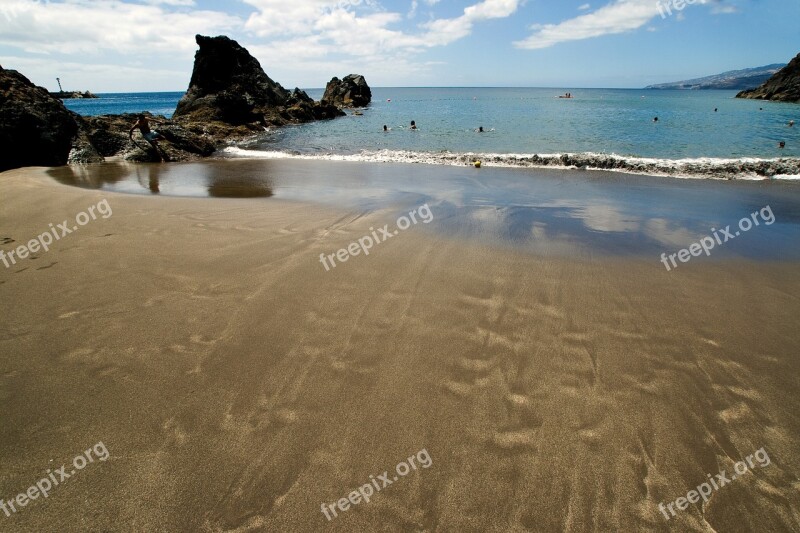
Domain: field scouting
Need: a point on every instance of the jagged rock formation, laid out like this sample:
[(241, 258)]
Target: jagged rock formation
[(784, 86), (35, 128), (352, 91), (229, 86)]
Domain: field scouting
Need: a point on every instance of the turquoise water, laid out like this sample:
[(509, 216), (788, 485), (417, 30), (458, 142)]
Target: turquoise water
[(534, 121), (524, 121), (118, 103)]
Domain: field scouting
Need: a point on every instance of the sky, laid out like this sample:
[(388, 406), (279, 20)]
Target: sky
[(148, 45)]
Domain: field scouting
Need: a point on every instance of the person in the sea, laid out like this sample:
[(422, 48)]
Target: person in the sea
[(385, 128), (791, 123), (413, 125), (782, 144), (655, 119), (480, 129), (143, 125)]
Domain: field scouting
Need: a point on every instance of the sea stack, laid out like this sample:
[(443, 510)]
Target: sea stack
[(228, 85), (352, 91), (783, 86), (35, 128)]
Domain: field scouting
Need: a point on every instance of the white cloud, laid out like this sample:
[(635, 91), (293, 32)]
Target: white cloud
[(90, 27), (413, 11), (296, 35), (618, 17), (334, 29), (722, 9), (171, 2), (445, 31)]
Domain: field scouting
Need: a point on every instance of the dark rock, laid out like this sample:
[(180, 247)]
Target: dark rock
[(230, 89), (783, 86), (35, 128), (66, 95), (109, 134), (187, 141), (83, 150), (352, 91), (228, 85)]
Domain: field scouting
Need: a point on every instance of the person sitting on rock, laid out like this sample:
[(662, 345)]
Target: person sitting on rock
[(143, 125)]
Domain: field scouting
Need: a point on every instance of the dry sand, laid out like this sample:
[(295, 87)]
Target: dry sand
[(237, 385)]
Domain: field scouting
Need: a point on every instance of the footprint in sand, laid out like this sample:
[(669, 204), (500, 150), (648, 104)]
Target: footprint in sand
[(458, 388), (6, 240), (198, 339), (174, 432), (512, 440), (524, 411), (48, 266)]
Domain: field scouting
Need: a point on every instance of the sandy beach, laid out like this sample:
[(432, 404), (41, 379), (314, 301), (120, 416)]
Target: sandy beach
[(238, 385)]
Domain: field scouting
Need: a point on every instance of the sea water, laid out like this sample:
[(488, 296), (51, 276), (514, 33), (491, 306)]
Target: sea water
[(695, 125)]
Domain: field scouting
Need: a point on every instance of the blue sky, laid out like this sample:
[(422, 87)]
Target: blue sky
[(148, 45)]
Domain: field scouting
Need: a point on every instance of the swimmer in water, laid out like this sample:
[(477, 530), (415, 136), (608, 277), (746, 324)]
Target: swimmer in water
[(655, 119), (782, 144), (413, 125), (791, 123), (385, 128), (480, 129)]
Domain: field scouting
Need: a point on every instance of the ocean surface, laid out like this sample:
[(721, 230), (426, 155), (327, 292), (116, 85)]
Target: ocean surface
[(519, 123)]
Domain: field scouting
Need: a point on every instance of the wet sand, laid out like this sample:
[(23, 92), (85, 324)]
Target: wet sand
[(238, 385)]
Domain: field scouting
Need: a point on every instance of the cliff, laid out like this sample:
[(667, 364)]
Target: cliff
[(783, 86)]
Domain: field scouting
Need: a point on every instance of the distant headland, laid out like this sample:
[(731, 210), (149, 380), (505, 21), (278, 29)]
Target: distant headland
[(748, 78), (68, 95), (65, 95)]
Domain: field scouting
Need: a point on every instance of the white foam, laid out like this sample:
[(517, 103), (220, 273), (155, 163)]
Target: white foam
[(703, 167)]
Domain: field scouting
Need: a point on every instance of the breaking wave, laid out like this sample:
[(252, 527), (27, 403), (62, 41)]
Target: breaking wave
[(713, 168)]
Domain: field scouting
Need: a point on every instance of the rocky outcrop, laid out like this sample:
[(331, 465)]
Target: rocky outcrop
[(109, 135), (62, 95), (35, 128), (783, 86), (229, 86), (352, 91), (229, 97)]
